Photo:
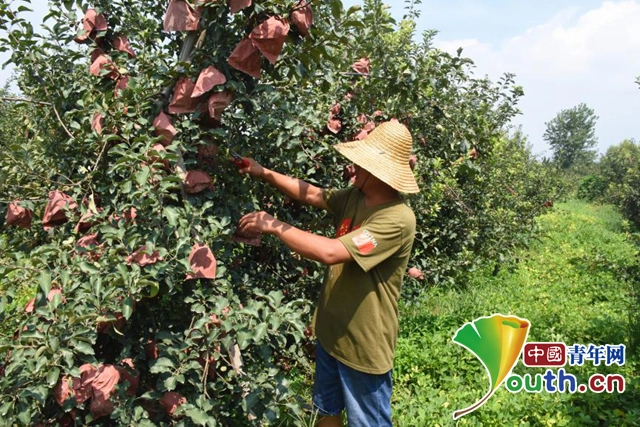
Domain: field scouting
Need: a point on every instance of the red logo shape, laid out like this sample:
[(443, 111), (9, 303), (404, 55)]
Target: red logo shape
[(544, 354), (344, 227)]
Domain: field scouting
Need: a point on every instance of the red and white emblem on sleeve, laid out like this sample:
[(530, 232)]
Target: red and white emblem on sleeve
[(365, 242)]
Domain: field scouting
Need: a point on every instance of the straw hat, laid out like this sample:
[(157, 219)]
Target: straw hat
[(385, 154)]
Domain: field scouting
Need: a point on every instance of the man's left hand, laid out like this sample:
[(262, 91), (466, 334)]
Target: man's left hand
[(258, 222)]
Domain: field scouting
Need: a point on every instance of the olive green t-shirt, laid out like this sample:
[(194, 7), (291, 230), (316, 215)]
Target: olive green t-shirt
[(356, 319)]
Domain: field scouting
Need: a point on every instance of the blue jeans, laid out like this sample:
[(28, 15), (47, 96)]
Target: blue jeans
[(366, 397)]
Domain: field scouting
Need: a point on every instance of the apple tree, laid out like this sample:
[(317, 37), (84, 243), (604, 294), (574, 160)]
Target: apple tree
[(121, 199)]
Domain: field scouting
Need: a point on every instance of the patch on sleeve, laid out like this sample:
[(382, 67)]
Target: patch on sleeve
[(365, 242)]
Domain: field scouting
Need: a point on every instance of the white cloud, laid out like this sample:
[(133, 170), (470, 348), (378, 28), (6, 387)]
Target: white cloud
[(591, 58)]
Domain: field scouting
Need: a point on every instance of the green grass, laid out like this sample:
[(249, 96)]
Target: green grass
[(573, 286)]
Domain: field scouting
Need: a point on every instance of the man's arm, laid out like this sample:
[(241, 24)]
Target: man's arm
[(295, 188), (312, 246)]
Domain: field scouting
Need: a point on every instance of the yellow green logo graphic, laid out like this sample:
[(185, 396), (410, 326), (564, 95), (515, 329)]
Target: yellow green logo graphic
[(497, 341)]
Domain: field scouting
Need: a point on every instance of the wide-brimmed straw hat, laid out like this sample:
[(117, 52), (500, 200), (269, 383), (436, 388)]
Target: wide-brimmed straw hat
[(385, 154)]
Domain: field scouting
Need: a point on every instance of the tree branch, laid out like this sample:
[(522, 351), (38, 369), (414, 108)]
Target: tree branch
[(55, 110), (185, 56), (31, 101), (96, 164)]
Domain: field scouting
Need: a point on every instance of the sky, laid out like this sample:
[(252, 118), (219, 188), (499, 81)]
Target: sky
[(563, 53)]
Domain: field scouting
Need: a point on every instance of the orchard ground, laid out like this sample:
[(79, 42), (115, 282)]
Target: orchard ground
[(572, 286)]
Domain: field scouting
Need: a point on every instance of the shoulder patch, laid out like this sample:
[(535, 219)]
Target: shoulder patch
[(365, 242)]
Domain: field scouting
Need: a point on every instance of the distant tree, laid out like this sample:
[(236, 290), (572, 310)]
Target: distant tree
[(620, 169), (571, 135), (620, 160)]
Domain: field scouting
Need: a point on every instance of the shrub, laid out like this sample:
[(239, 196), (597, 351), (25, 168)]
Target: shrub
[(592, 187), (620, 170)]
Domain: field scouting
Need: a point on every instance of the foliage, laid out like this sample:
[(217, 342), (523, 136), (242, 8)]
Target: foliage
[(12, 118), (617, 180), (14, 129), (512, 189), (481, 191), (620, 168), (574, 287), (592, 187), (571, 135)]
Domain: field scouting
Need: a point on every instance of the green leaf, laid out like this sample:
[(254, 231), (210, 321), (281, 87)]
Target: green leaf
[(52, 376), (172, 215), (162, 364), (5, 408), (297, 130), (336, 9), (149, 289), (197, 416), (260, 332), (64, 278), (353, 9), (54, 343), (56, 301), (122, 269), (277, 297), (126, 187), (170, 383), (36, 335), (25, 416), (127, 307), (143, 175), (39, 393), (42, 360), (68, 357), (88, 268), (84, 348), (45, 282), (251, 311), (243, 339)]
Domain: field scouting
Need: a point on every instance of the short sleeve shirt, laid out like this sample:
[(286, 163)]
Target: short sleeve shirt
[(356, 319)]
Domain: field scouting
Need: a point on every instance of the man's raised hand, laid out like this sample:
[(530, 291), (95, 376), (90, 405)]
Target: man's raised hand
[(254, 169)]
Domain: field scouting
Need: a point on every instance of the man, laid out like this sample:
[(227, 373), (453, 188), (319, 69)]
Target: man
[(356, 321)]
